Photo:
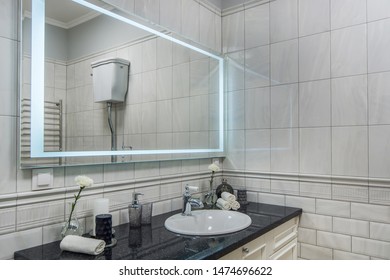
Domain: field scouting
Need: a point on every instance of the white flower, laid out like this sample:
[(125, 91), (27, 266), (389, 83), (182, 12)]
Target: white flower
[(83, 181), (213, 167)]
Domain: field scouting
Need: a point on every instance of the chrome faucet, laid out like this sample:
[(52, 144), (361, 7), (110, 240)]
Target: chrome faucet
[(189, 202)]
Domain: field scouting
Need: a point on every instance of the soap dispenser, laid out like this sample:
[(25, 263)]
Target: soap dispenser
[(135, 211)]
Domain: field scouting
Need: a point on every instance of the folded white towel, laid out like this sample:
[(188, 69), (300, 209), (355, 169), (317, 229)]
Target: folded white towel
[(83, 245), (228, 197), (223, 204), (235, 205)]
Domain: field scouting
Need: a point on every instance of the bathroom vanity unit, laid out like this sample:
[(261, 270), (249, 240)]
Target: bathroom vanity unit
[(272, 235)]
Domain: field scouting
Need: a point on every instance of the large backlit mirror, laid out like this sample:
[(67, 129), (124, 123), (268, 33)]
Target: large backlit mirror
[(100, 85)]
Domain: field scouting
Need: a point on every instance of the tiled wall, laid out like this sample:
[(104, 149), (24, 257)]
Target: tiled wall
[(172, 91), (29, 218), (289, 141), (308, 97)]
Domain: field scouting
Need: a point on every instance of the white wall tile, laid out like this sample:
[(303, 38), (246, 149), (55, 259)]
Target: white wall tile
[(307, 204), (379, 147), (18, 241), (349, 51), (351, 227), (285, 187), (9, 76), (233, 32), (284, 20), (284, 106), (313, 16), (120, 172), (377, 9), (347, 12), (260, 185), (315, 150), (149, 86), (284, 150), (350, 193), (147, 169), (341, 255), (318, 190), (314, 57), (149, 9), (379, 196), (371, 247), (378, 98), (333, 208), (207, 28), (257, 26), (8, 18), (164, 83), (181, 80), (164, 116), (370, 212), (334, 240), (236, 107), (190, 19), (380, 231), (170, 14), (51, 233), (7, 219), (236, 149), (378, 42), (350, 151), (271, 199), (169, 191), (149, 120), (314, 221), (236, 71), (349, 101), (257, 108), (257, 150), (199, 73), (284, 62), (314, 103), (181, 54), (307, 236), (164, 53), (161, 207), (311, 252), (8, 148), (257, 67), (199, 112)]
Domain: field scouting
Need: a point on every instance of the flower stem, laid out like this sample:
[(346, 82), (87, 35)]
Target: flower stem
[(76, 197)]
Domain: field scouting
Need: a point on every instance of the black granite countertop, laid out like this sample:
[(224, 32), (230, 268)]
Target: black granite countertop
[(156, 242)]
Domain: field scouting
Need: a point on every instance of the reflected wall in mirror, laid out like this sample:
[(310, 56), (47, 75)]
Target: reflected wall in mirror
[(173, 104)]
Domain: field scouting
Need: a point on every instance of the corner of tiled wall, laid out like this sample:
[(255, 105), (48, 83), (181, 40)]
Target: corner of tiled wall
[(308, 119)]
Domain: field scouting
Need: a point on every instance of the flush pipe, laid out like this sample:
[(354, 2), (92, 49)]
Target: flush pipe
[(113, 140)]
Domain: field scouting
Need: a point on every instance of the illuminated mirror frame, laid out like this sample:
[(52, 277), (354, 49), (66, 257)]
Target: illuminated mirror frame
[(37, 88)]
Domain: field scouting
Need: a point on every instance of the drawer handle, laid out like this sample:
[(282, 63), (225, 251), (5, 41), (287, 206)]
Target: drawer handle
[(245, 250)]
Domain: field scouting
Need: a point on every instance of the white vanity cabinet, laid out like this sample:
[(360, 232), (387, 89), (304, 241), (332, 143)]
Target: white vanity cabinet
[(279, 243)]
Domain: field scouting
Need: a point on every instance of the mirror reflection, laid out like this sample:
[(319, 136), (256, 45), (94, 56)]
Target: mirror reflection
[(112, 86)]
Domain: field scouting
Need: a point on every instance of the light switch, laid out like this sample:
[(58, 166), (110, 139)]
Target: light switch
[(42, 179)]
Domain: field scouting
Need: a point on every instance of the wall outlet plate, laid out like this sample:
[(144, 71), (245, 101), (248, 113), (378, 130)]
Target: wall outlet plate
[(42, 179)]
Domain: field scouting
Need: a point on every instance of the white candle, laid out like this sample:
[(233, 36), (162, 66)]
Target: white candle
[(100, 206)]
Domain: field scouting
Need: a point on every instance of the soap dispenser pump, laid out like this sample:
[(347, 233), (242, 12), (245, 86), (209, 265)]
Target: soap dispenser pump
[(135, 211)]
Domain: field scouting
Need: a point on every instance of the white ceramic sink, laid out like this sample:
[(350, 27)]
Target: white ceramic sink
[(208, 222)]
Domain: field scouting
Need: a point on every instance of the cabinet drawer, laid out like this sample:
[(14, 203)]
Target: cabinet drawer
[(288, 252), (253, 250), (282, 235), (279, 243)]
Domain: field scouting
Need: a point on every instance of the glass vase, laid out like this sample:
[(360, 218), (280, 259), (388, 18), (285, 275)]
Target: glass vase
[(72, 226)]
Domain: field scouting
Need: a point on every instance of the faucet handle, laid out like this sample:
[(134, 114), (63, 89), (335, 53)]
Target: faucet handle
[(189, 188)]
